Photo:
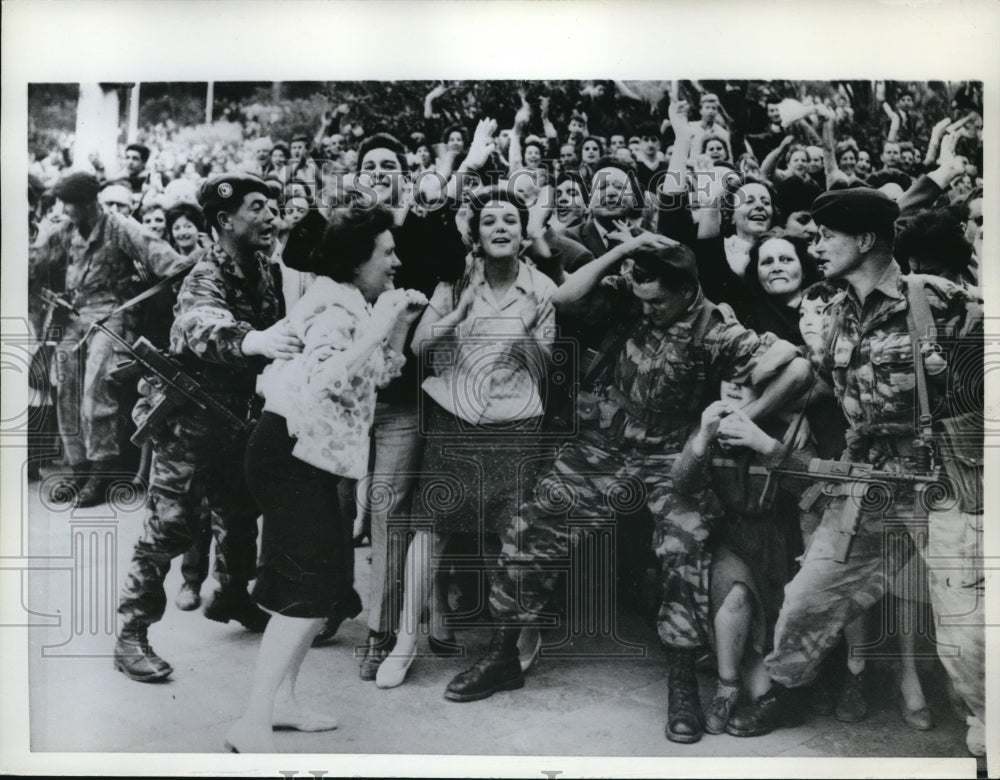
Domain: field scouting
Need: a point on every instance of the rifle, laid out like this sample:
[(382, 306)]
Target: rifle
[(146, 360), (861, 483)]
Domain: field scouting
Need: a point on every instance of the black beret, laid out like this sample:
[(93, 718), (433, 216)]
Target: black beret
[(75, 188), (225, 192), (856, 210)]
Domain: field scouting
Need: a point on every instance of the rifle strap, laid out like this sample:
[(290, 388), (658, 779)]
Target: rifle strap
[(922, 327), (149, 292)]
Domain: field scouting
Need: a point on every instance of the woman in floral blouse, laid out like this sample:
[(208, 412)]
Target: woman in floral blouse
[(311, 440)]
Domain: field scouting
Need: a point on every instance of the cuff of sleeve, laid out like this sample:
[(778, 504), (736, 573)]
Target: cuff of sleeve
[(236, 353)]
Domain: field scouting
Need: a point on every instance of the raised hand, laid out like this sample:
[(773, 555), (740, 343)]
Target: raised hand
[(677, 112), (483, 143)]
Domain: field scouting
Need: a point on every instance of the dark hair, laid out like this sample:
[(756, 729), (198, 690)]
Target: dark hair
[(889, 176), (821, 291), (849, 145), (483, 197), (187, 210), (383, 141), (417, 140), (142, 150), (596, 140), (934, 235), (628, 170), (282, 146), (541, 148), (575, 176), (666, 264), (810, 272), (648, 130), (349, 240), (456, 129), (731, 186)]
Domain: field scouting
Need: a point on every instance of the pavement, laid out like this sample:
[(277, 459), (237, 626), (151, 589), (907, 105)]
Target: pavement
[(593, 692)]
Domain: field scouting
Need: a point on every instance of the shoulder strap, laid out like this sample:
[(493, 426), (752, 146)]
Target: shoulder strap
[(610, 350), (921, 326)]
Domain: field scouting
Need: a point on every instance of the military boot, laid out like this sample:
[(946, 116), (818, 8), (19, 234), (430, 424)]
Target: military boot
[(234, 603), (67, 488), (102, 475), (498, 670), (684, 716), (136, 659)]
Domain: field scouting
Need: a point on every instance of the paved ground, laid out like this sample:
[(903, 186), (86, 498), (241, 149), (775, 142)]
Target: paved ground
[(584, 706)]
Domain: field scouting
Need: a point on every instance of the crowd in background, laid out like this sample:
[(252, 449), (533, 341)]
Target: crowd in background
[(594, 175)]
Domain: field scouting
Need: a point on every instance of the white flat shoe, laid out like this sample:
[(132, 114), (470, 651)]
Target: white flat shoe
[(392, 671), (529, 646), (304, 720)]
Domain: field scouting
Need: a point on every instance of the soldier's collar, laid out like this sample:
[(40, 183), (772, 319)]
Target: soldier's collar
[(888, 283)]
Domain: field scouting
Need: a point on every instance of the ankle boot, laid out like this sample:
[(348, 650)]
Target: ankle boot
[(684, 716), (103, 474), (232, 602), (66, 489), (761, 716), (135, 658), (498, 670)]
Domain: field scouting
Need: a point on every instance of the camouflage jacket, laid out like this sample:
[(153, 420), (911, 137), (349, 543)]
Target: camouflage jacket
[(870, 360), (218, 304), (108, 266), (664, 377)]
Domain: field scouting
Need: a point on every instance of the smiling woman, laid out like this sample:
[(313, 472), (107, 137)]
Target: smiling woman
[(487, 338), (780, 269)]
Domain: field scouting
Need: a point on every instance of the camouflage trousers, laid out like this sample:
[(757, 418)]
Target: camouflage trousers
[(86, 400), (191, 461), (826, 595), (588, 486)]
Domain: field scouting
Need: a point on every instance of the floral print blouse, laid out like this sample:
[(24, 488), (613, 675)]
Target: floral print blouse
[(328, 410)]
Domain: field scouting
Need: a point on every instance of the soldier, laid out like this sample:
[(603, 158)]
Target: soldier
[(98, 254), (673, 343), (872, 366), (226, 328)]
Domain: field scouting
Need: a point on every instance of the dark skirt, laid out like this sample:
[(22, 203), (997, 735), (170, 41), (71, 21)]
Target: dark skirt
[(307, 556), (474, 477), (760, 553)]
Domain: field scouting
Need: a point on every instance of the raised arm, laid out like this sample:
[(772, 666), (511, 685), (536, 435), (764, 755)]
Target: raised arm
[(768, 167)]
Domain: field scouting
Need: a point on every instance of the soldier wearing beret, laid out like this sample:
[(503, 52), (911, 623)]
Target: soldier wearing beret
[(96, 257), (227, 325), (673, 347), (870, 365)]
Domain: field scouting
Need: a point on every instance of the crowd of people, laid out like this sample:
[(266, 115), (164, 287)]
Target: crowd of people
[(756, 291)]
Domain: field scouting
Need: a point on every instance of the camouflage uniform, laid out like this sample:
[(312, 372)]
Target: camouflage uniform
[(661, 381), (871, 363), (101, 271), (195, 454)]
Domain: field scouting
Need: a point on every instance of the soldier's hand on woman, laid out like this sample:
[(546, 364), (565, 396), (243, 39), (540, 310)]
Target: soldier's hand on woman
[(277, 342)]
